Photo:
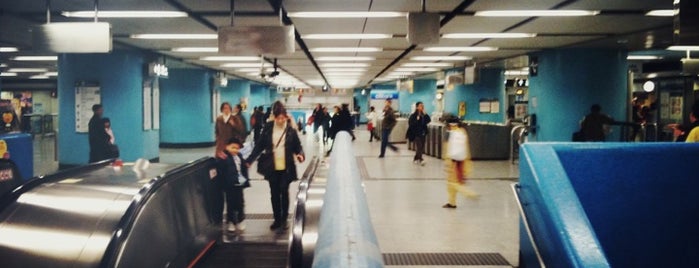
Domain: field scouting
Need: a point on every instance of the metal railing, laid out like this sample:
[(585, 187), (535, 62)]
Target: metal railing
[(517, 137), (525, 222)]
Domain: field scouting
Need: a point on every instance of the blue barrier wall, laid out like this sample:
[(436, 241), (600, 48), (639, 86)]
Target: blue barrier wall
[(612, 204), (424, 90), (259, 95), (185, 107), (234, 92)]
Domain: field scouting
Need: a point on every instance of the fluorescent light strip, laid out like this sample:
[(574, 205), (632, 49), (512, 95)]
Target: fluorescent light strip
[(39, 76), (487, 35), (175, 36), (345, 58), (661, 13), (230, 58), (124, 14), (27, 70), (642, 57), (244, 65), (683, 48), (536, 13), (462, 49), (438, 58), (352, 64), (427, 64), (51, 74), (346, 14), (516, 72), (344, 70), (8, 74), (347, 36), (246, 70), (8, 49), (35, 58), (195, 49), (416, 70), (346, 49)]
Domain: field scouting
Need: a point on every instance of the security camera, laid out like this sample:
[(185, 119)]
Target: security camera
[(273, 74)]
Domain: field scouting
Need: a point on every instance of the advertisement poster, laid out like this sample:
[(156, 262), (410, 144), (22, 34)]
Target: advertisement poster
[(147, 107), (156, 106), (462, 109), (85, 97)]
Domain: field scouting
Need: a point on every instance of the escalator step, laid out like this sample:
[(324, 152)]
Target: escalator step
[(246, 255)]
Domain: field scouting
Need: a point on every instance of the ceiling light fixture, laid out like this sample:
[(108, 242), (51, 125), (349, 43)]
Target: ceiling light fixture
[(347, 36), (27, 70), (35, 58), (642, 57), (346, 49), (416, 70), (244, 65), (346, 14), (487, 35), (231, 58), (536, 13), (39, 76), (124, 14), (360, 58), (457, 49), (661, 13), (176, 36), (438, 58), (195, 49), (3, 74), (427, 64), (343, 64), (8, 49), (683, 48), (51, 74), (344, 69)]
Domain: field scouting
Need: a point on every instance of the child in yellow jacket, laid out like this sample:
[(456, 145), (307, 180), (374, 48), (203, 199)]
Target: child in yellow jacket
[(457, 163)]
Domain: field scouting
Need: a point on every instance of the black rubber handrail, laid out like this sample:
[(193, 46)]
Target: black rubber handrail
[(139, 201), (34, 182), (295, 251)]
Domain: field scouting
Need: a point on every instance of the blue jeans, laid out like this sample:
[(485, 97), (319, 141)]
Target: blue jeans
[(385, 133)]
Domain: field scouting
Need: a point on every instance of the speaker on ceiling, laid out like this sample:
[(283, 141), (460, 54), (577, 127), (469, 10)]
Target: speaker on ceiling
[(423, 28)]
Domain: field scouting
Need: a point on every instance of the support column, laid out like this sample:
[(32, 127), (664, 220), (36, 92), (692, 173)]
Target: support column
[(187, 117)]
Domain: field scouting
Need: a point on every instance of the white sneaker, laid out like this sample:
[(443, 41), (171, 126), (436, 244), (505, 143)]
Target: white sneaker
[(416, 162), (422, 162), (231, 227), (240, 226)]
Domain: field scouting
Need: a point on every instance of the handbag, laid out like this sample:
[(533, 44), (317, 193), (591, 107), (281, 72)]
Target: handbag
[(265, 163), (370, 126)]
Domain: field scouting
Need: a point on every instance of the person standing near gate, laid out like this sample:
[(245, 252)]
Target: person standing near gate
[(417, 130), (387, 124)]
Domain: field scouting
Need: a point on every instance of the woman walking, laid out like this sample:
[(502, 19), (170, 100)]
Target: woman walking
[(279, 145)]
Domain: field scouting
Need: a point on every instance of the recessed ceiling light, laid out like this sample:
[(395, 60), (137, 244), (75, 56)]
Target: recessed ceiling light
[(35, 58), (346, 14), (661, 13), (8, 74), (536, 13), (27, 70), (455, 49), (344, 69), (347, 64), (195, 49), (39, 76), (427, 64), (683, 48), (124, 14), (244, 65), (347, 36), (642, 57), (175, 36), (8, 49), (346, 49), (487, 35), (230, 58), (409, 69), (51, 73), (345, 58), (438, 58), (246, 70)]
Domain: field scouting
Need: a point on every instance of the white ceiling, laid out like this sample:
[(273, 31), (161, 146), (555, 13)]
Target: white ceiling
[(621, 24)]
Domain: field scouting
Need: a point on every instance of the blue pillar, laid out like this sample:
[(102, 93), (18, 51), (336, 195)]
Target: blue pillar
[(120, 76), (569, 81), (490, 86), (363, 102), (186, 118), (259, 95), (234, 93)]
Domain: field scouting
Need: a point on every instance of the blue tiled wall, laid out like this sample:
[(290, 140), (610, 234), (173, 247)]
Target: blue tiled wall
[(185, 113)]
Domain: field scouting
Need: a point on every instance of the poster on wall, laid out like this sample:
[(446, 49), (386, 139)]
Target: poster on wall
[(484, 106), (147, 106), (85, 97), (215, 102), (676, 104), (494, 106), (520, 110), (156, 105), (462, 109)]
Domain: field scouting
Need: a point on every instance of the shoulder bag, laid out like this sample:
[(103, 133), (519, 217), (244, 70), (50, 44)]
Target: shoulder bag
[(265, 163)]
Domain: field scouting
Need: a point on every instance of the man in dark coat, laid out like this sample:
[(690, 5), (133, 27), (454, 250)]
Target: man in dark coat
[(97, 135), (417, 130)]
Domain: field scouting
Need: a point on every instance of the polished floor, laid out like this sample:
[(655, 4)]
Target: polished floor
[(405, 201)]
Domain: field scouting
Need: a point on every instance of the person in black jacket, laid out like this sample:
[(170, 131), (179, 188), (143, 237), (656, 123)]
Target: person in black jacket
[(98, 137), (232, 179), (417, 130), (281, 145)]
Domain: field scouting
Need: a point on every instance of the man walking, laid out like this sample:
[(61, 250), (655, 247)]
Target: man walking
[(387, 124)]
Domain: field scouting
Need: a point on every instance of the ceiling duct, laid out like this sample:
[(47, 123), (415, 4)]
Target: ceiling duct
[(256, 40), (423, 27), (72, 37)]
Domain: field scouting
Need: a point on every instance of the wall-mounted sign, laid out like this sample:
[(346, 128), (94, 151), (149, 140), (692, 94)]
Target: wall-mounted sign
[(157, 70), (85, 97), (384, 95)]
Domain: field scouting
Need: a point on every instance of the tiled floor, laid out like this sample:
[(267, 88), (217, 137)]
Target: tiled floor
[(404, 200)]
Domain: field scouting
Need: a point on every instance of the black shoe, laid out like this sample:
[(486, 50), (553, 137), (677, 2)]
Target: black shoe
[(275, 225), (394, 148), (447, 205), (380, 156)]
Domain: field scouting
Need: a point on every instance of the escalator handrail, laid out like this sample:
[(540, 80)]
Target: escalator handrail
[(525, 221), (297, 229), (34, 182), (139, 201)]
